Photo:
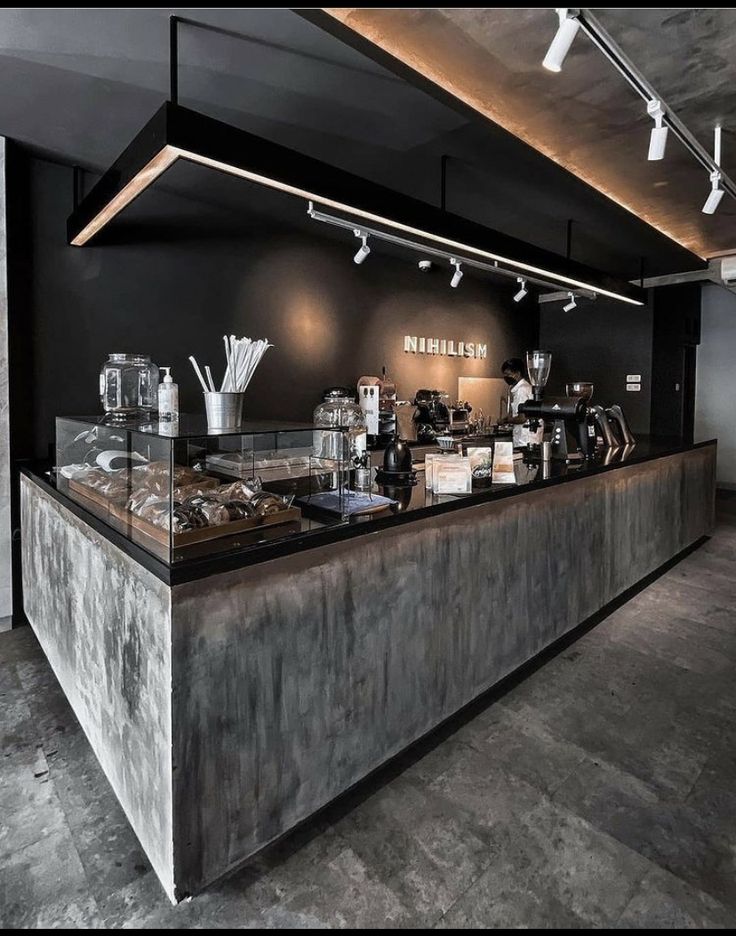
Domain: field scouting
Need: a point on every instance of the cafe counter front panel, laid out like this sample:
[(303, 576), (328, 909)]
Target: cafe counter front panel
[(228, 705)]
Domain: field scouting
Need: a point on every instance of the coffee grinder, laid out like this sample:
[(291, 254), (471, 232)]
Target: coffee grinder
[(562, 412)]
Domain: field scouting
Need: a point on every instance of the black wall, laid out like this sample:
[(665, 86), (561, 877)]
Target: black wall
[(175, 274), (602, 341), (676, 334)]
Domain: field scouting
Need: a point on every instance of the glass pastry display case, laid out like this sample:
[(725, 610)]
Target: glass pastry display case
[(181, 492)]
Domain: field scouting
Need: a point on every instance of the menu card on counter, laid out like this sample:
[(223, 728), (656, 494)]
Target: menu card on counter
[(503, 463), (452, 475)]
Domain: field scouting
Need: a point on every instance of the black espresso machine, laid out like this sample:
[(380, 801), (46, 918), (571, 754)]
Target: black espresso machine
[(432, 415)]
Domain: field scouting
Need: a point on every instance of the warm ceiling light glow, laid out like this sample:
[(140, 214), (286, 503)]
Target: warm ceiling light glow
[(148, 174), (397, 225), (560, 45), (414, 44), (169, 154)]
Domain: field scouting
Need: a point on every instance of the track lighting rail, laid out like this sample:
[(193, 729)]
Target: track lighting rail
[(452, 258), (600, 38)]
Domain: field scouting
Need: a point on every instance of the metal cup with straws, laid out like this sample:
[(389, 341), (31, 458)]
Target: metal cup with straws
[(224, 407)]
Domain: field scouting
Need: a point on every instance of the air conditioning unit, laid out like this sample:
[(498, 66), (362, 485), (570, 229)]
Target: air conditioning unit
[(728, 271)]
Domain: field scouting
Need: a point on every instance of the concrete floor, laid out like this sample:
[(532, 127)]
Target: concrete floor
[(599, 791)]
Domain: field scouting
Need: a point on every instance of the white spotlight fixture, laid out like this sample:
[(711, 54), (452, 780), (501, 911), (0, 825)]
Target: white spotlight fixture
[(560, 46), (714, 198), (571, 304), (457, 275), (364, 249), (522, 289), (716, 194), (658, 138)]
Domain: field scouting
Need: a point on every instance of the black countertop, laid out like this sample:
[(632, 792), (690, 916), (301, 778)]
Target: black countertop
[(415, 503)]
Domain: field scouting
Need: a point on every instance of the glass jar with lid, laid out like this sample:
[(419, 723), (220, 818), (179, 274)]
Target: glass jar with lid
[(339, 410), (128, 385)]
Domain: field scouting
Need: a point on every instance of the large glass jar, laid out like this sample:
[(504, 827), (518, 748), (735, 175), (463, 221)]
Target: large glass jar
[(339, 411), (128, 385)]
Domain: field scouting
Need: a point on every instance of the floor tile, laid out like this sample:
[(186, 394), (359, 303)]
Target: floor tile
[(663, 901), (43, 885), (523, 747), (670, 833), (553, 870), (433, 851), (34, 814), (327, 884)]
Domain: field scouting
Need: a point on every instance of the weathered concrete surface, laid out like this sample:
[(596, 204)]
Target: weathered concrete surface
[(104, 623), (226, 710), (6, 584), (294, 679)]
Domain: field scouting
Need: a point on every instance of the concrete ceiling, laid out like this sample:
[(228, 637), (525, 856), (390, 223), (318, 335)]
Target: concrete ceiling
[(78, 84), (586, 118)]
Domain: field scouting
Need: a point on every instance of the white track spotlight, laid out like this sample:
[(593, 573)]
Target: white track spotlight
[(658, 138), (364, 249), (522, 289), (457, 275), (425, 266), (560, 45), (716, 194), (571, 304)]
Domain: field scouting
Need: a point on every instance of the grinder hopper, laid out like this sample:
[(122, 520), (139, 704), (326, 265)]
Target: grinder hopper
[(538, 364)]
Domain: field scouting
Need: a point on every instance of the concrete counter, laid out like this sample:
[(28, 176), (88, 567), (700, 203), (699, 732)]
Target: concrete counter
[(227, 709)]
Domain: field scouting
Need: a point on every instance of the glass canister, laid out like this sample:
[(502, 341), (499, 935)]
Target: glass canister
[(128, 385), (339, 410)]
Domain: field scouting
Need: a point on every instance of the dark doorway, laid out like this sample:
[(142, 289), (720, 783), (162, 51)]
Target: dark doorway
[(675, 340), (689, 362)]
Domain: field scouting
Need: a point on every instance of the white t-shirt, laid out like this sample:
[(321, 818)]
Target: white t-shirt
[(518, 394)]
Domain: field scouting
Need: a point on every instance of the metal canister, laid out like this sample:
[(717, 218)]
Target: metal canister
[(224, 411)]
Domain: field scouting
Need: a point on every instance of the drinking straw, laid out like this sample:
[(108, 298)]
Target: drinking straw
[(198, 372), (242, 357)]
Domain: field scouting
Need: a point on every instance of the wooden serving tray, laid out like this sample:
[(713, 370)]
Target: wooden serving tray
[(119, 517)]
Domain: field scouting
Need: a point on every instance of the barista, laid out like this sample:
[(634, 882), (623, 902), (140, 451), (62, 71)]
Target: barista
[(520, 390)]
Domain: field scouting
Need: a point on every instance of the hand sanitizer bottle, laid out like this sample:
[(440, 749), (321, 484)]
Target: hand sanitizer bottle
[(168, 398)]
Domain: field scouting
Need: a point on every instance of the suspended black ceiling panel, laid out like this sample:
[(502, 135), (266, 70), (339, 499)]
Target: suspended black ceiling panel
[(177, 132)]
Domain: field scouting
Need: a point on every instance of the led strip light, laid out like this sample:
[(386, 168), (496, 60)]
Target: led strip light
[(169, 154), (457, 246)]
